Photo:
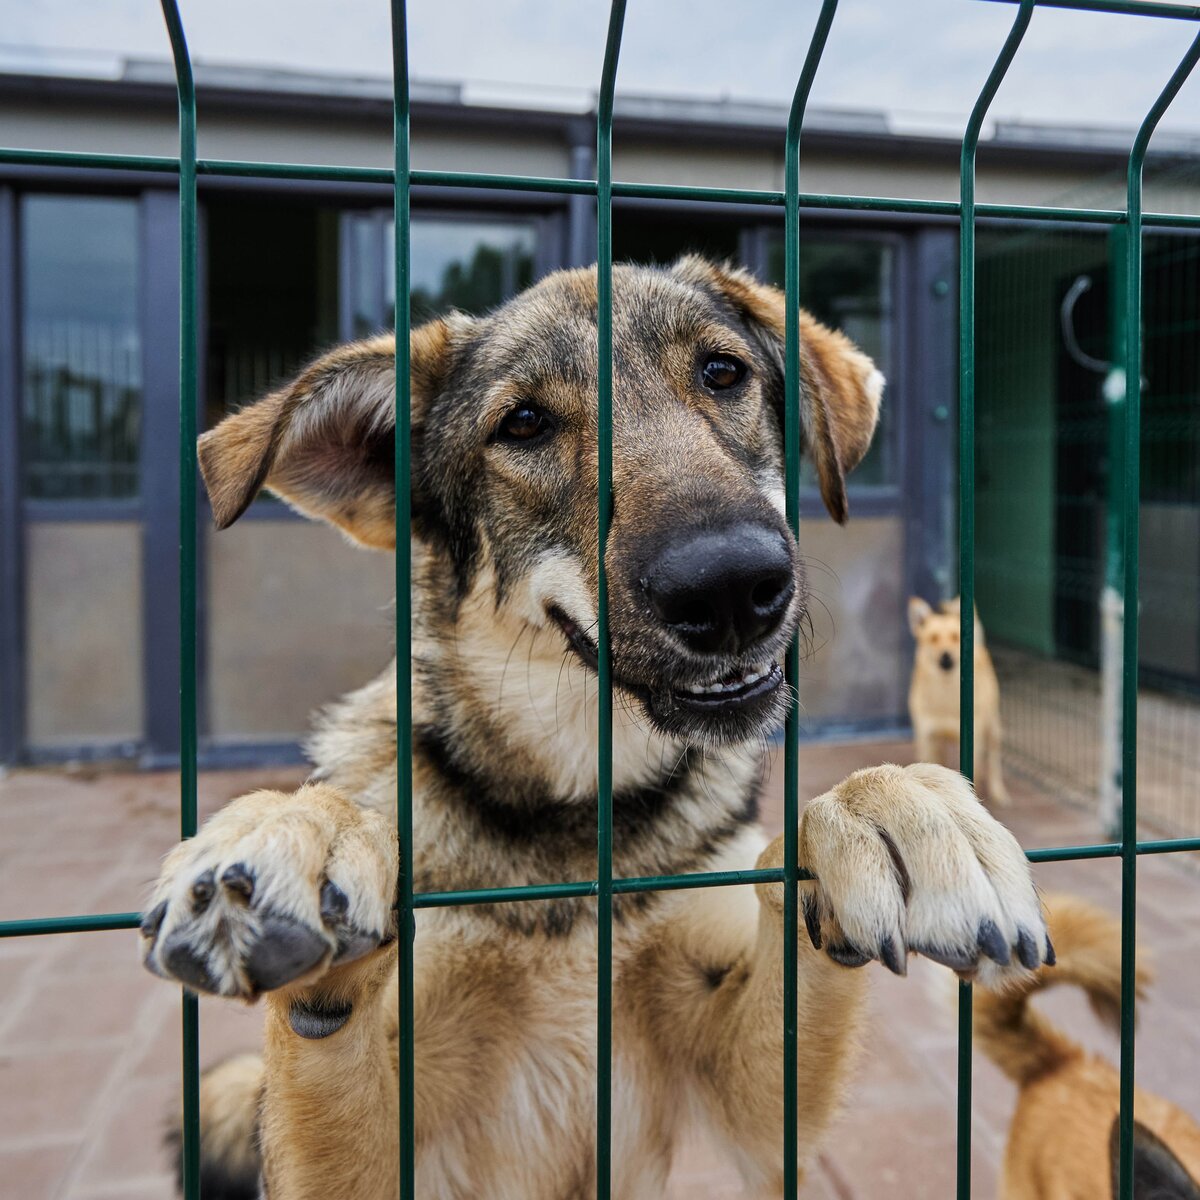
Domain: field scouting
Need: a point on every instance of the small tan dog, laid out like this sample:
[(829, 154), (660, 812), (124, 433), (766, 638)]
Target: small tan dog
[(1063, 1141), (933, 695)]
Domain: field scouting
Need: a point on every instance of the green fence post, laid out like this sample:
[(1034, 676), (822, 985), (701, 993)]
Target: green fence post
[(1132, 498), (793, 438), (186, 91), (1112, 596), (406, 922), (966, 518), (604, 119)]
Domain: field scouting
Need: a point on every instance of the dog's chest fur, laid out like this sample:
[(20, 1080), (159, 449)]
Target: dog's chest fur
[(482, 821)]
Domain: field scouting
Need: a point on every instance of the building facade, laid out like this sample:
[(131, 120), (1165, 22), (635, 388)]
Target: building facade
[(291, 616)]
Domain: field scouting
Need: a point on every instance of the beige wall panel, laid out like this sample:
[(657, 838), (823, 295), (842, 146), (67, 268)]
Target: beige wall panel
[(83, 616), (116, 129), (278, 138), (859, 668), (296, 617), (685, 164), (1169, 638)]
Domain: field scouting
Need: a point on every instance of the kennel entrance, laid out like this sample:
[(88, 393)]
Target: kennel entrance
[(186, 166)]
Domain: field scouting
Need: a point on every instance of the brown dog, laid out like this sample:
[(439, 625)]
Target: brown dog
[(1063, 1144), (291, 897), (933, 695)]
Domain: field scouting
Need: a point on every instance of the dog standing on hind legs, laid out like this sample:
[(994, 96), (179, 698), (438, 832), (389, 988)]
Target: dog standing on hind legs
[(290, 897)]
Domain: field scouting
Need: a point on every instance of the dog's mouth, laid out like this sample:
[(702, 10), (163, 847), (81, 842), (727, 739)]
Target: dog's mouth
[(743, 692)]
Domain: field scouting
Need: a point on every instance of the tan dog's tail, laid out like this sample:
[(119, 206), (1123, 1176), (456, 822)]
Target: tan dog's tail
[(1087, 941)]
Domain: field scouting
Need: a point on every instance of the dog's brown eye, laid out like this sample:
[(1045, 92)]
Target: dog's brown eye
[(524, 425), (718, 372)]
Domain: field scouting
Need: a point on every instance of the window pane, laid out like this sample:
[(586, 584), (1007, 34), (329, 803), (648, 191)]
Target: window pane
[(82, 376), (468, 265), (848, 284)]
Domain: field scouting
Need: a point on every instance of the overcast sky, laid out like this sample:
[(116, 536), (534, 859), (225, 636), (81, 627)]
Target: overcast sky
[(921, 60)]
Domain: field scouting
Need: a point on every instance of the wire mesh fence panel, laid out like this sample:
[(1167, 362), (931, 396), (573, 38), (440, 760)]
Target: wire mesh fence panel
[(1163, 719)]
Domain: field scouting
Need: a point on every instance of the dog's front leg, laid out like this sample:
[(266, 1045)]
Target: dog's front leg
[(907, 860), (330, 1112), (290, 896)]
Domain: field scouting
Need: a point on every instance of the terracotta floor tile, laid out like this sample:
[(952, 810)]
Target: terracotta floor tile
[(74, 1011), (49, 1095), (93, 843), (127, 1143), (36, 1172)]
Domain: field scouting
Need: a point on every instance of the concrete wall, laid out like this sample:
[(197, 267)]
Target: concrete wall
[(278, 137), (296, 617), (83, 614), (859, 667), (1169, 633)]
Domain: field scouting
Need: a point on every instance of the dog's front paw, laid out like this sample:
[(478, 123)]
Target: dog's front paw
[(908, 860), (273, 891)]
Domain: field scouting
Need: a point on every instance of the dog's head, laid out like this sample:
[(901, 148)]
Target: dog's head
[(937, 634), (705, 583)]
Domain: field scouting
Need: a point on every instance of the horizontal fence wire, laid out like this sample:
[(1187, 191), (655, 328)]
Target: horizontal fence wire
[(100, 922), (402, 179), (385, 176)]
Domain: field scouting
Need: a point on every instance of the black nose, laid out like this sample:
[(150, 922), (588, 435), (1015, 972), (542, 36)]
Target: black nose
[(946, 662), (722, 591)]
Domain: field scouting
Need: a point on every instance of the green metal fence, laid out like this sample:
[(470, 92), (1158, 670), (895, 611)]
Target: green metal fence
[(1132, 219)]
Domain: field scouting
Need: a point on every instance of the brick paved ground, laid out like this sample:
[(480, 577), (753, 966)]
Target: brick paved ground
[(89, 1044)]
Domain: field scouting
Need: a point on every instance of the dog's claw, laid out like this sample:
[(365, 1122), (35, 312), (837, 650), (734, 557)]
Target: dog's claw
[(334, 902), (846, 955), (956, 960), (895, 961), (1027, 950), (239, 880), (1051, 957), (202, 891), (187, 965), (992, 943), (286, 949), (152, 921), (812, 919)]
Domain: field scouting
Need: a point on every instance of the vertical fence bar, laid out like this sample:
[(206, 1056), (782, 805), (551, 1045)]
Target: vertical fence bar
[(406, 922), (604, 119), (1112, 596), (966, 518), (792, 437), (1129, 680), (186, 90)]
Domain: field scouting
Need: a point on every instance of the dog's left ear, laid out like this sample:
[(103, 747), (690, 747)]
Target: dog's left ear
[(325, 442), (841, 387), (918, 612), (1157, 1172)]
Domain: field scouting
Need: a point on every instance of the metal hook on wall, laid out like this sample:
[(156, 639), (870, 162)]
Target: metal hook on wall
[(1066, 313)]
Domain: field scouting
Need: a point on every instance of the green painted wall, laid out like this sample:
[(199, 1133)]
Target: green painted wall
[(1021, 277)]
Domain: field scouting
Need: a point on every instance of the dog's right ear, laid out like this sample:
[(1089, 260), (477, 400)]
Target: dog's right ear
[(1157, 1172), (325, 443), (918, 612)]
